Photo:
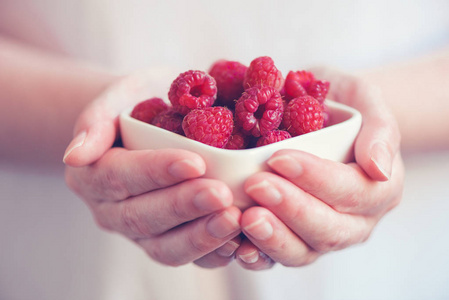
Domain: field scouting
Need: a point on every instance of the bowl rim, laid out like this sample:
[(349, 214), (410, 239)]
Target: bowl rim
[(353, 116)]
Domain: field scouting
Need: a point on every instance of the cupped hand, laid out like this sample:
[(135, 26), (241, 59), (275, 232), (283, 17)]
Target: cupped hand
[(309, 206), (156, 198)]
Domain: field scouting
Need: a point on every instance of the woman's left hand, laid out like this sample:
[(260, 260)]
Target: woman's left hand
[(309, 206)]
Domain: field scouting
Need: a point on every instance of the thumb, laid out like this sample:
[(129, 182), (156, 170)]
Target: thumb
[(95, 132), (379, 139), (97, 127), (376, 146)]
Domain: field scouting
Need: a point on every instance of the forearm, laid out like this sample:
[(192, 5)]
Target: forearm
[(418, 94), (41, 95)]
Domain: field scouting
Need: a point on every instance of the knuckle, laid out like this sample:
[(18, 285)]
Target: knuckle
[(158, 253), (199, 244), (132, 223), (73, 182), (335, 241), (304, 260), (177, 210), (365, 236), (396, 201), (349, 204), (298, 213), (69, 179), (112, 186), (102, 223)]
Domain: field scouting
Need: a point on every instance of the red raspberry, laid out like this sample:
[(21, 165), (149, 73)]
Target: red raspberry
[(259, 110), (273, 137), (318, 89), (192, 90), (262, 71), (229, 77), (146, 110), (238, 140), (303, 115), (297, 83), (170, 120), (211, 125)]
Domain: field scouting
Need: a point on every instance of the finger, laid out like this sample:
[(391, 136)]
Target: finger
[(251, 258), (121, 173), (156, 212), (95, 132), (377, 144), (316, 223), (221, 256), (193, 240), (345, 187), (275, 239), (379, 139)]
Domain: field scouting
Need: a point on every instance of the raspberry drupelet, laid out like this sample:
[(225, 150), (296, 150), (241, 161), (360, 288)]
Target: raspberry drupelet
[(259, 110), (191, 90)]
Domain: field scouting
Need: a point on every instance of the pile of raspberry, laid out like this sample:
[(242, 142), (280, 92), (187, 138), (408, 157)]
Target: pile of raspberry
[(234, 106)]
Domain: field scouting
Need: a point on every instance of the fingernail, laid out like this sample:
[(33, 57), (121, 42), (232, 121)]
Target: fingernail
[(286, 166), (222, 225), (265, 193), (210, 199), (260, 230), (185, 168), (227, 249), (77, 141), (250, 258), (381, 157)]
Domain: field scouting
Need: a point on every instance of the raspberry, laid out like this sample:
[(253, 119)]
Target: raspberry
[(273, 137), (211, 125), (303, 115), (259, 110), (238, 140), (318, 89), (192, 90), (297, 83), (170, 120), (262, 71), (146, 110), (229, 77)]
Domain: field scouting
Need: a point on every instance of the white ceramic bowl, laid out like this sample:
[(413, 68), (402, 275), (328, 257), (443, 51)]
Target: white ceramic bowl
[(334, 142)]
